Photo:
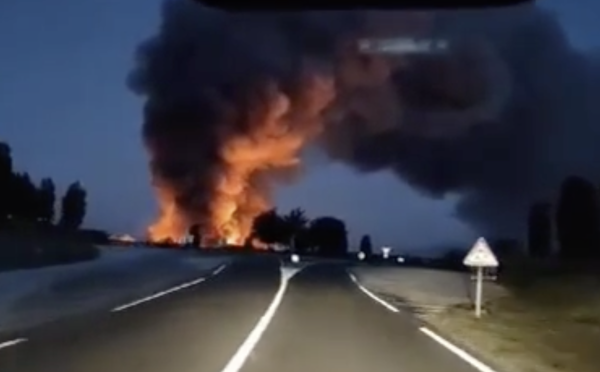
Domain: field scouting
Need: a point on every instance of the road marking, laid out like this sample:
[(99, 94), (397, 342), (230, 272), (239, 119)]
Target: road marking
[(240, 356), (158, 295), (289, 272), (480, 366), (219, 269), (10, 343), (164, 293), (385, 304)]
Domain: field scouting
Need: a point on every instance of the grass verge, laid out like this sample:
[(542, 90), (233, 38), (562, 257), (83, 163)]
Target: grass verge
[(32, 249), (547, 324)]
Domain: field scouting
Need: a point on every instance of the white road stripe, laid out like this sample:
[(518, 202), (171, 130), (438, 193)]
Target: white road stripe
[(158, 295), (10, 343), (219, 269), (239, 358), (387, 305), (164, 293), (477, 364)]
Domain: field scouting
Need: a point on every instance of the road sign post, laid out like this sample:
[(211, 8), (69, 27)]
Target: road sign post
[(480, 257), (478, 291)]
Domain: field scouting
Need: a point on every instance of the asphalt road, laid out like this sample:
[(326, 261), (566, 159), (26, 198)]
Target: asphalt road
[(241, 320)]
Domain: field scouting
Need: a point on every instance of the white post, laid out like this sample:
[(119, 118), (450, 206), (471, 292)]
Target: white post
[(478, 291)]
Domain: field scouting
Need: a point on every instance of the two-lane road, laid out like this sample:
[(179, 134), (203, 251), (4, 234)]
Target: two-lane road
[(242, 320), (326, 324)]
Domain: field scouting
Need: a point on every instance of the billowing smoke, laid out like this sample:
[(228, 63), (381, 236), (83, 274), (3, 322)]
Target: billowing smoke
[(231, 100)]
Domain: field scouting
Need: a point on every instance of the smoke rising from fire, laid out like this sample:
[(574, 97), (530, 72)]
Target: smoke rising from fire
[(231, 100)]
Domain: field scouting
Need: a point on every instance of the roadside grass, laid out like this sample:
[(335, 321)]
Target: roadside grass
[(25, 249), (547, 321)]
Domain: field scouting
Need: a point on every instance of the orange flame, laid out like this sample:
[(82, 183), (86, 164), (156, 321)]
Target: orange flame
[(279, 126), (170, 225)]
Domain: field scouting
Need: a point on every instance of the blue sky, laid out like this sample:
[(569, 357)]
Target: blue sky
[(67, 113)]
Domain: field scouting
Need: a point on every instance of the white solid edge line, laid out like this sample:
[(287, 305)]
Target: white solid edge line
[(12, 342), (480, 366), (239, 358), (168, 291), (385, 304), (471, 360)]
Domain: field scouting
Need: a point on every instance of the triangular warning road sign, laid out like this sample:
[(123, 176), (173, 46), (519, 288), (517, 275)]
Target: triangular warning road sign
[(481, 255)]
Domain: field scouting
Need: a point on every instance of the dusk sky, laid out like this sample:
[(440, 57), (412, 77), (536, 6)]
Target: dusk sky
[(67, 113)]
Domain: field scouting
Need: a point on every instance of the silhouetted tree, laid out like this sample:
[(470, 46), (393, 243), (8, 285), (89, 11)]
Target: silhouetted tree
[(540, 230), (24, 203), (74, 206), (195, 232), (296, 227), (296, 219), (329, 235), (6, 179), (303, 242), (247, 246), (270, 228), (578, 220), (46, 201), (366, 246)]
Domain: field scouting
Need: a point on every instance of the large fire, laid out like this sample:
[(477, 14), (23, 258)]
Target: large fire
[(278, 125)]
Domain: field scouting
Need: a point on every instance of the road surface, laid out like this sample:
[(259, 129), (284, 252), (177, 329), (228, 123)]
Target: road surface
[(240, 320)]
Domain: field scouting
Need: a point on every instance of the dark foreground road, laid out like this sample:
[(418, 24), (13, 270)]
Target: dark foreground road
[(322, 323), (326, 324), (193, 330)]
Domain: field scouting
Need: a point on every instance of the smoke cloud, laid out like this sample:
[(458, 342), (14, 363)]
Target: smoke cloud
[(231, 100)]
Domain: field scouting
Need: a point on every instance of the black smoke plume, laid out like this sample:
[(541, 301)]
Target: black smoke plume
[(501, 117)]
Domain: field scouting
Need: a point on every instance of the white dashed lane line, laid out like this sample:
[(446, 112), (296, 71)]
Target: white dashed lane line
[(5, 344), (217, 271)]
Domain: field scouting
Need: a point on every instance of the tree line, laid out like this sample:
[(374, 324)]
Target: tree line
[(325, 236), (573, 221), (24, 202)]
